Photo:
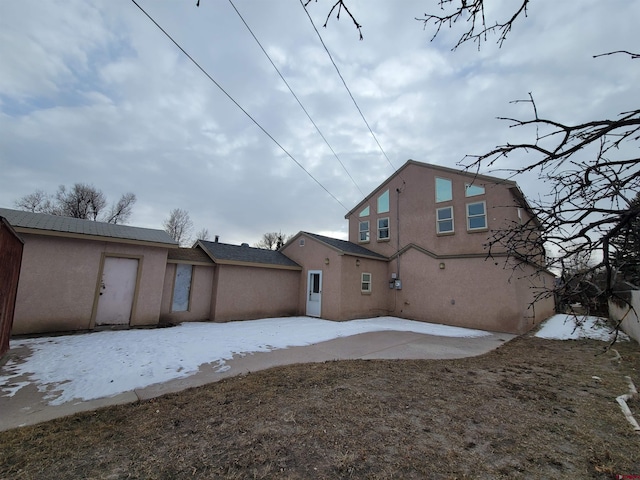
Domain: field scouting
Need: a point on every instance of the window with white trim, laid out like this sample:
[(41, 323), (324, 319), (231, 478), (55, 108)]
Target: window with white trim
[(444, 220), (365, 283), (444, 190), (476, 216), (182, 288), (383, 202), (383, 228), (363, 231), (364, 212)]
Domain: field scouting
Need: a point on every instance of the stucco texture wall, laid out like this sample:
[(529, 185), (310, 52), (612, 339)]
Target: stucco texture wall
[(200, 295), (467, 292), (59, 283), (620, 310), (245, 293)]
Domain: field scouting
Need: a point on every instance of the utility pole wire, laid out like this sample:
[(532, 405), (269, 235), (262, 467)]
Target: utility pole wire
[(296, 97), (236, 103), (345, 86)]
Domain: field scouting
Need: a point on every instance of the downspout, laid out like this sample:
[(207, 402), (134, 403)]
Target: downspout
[(398, 232)]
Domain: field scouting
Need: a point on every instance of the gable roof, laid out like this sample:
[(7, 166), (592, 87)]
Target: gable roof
[(191, 256), (54, 225), (244, 255), (472, 175), (343, 246)]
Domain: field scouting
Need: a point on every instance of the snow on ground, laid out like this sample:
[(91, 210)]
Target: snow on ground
[(103, 364), (571, 327)]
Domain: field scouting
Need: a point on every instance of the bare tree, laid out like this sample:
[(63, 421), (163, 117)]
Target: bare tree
[(80, 201), (591, 169), (121, 211), (273, 240), (203, 234), (178, 225)]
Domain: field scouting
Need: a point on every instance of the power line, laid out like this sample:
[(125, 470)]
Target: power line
[(295, 96), (236, 103), (345, 86)]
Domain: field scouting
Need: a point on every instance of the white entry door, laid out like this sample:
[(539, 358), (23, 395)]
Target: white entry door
[(117, 290), (314, 293)]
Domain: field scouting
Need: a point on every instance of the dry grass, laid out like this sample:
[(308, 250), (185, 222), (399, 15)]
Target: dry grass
[(530, 409)]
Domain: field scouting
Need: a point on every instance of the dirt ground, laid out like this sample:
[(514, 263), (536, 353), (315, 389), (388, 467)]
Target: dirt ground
[(533, 408)]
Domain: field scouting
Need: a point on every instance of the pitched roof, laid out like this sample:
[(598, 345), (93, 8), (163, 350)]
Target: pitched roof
[(41, 223), (440, 168), (193, 256), (345, 246), (223, 253)]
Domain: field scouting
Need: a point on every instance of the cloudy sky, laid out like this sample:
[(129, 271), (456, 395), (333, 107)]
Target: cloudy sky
[(92, 91)]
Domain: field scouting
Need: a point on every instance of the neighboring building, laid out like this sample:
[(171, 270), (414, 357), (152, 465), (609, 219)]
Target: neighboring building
[(416, 250), (11, 246), (80, 274)]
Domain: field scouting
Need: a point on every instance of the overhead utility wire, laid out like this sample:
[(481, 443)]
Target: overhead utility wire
[(295, 96), (345, 85), (237, 104)]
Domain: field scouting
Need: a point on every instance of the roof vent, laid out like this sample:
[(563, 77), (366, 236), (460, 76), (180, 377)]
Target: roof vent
[(244, 245), (217, 238)]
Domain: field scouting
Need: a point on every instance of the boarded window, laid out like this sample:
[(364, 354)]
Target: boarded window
[(182, 288)]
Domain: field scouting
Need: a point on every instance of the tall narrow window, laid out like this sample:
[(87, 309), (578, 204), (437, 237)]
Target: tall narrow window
[(383, 202), (364, 231), (444, 220), (444, 192), (473, 190), (476, 216), (365, 284), (383, 228), (182, 288), (364, 212)]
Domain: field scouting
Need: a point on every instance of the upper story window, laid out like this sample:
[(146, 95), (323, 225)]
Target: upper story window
[(383, 202), (476, 216), (364, 212), (444, 191), (444, 220), (363, 229), (473, 190), (383, 228)]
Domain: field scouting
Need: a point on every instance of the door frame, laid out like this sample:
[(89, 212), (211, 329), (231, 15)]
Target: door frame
[(308, 292), (96, 298)]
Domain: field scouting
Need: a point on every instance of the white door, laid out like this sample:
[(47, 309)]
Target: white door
[(117, 290), (314, 293)]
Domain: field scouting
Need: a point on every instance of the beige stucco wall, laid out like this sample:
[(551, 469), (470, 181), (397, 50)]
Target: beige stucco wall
[(620, 310), (244, 293), (467, 292), (416, 205), (200, 296), (59, 282), (342, 298)]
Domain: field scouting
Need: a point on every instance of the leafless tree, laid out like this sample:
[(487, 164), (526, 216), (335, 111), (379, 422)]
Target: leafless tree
[(178, 225), (273, 240), (203, 234), (80, 201)]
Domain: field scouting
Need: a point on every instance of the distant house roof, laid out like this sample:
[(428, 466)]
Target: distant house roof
[(43, 224), (192, 256), (475, 176), (244, 255), (345, 247)]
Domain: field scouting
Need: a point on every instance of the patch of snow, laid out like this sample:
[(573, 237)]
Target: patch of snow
[(104, 364), (572, 327)]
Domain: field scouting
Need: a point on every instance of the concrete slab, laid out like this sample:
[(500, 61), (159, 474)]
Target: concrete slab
[(30, 405)]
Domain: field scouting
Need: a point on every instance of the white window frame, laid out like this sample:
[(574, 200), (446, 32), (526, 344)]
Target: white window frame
[(450, 196), (361, 231), (365, 212), (384, 195), (468, 186), (387, 228), (365, 285), (484, 214), (439, 221)]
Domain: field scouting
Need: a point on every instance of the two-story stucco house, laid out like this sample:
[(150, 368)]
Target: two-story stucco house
[(417, 249)]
